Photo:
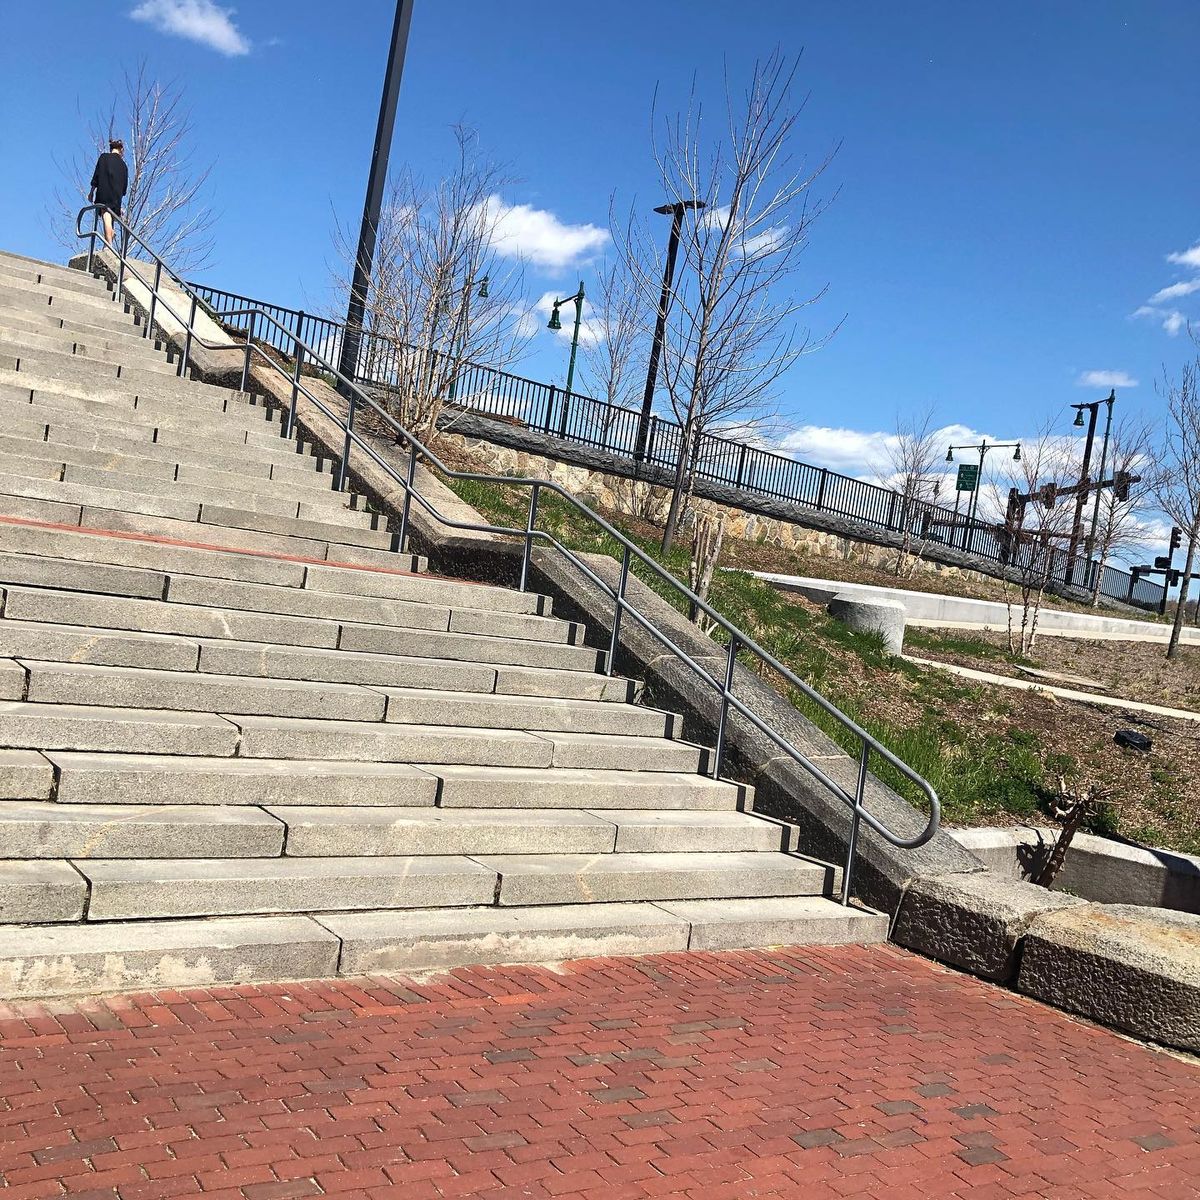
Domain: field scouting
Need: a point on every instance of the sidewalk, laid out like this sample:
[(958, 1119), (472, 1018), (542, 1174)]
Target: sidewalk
[(848, 1071)]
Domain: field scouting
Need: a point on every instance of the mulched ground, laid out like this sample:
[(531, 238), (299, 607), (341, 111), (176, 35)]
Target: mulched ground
[(805, 1073)]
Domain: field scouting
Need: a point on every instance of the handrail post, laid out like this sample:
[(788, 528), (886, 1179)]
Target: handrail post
[(534, 493), (249, 343), (726, 692), (153, 301), (291, 418), (92, 239), (187, 342), (408, 491), (120, 269), (620, 606), (855, 820), (344, 463)]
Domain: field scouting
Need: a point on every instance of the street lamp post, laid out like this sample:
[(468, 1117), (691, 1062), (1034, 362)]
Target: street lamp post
[(365, 255), (1110, 400), (660, 325), (555, 323), (1085, 478), (983, 448)]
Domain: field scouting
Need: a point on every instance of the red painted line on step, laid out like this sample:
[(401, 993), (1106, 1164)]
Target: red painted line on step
[(158, 540)]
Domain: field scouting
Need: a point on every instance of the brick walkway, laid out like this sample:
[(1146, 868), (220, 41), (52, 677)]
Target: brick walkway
[(807, 1074)]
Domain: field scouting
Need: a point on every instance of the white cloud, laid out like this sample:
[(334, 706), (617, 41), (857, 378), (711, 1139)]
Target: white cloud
[(1106, 379), (1172, 320), (200, 21), (1187, 258), (538, 236), (1175, 292)]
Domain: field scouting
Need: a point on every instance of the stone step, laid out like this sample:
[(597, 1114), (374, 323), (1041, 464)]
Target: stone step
[(32, 543), (418, 706), (153, 616), (23, 342), (173, 502), (160, 462), (380, 639), (98, 647), (350, 832), (134, 687), (69, 372), (415, 613), (104, 445), (45, 320), (776, 921), (412, 942), (36, 893), (535, 879), (25, 726), (427, 590), (35, 830), (258, 495), (596, 790), (140, 889), (78, 959), (236, 530), (62, 279), (383, 670), (12, 680), (25, 775), (27, 406), (32, 467), (26, 296), (90, 778), (34, 570)]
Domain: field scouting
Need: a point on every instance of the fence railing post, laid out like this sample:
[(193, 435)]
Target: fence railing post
[(344, 463), (820, 504), (291, 420), (550, 390), (855, 821), (651, 438), (149, 330), (723, 720), (741, 466), (620, 606), (531, 521), (187, 342), (408, 491), (566, 409)]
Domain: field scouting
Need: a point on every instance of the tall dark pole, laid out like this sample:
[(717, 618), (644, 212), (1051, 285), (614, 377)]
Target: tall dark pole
[(365, 256), (1090, 545), (660, 325), (1084, 480)]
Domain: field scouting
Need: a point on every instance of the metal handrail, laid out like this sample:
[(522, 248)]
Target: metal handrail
[(738, 641)]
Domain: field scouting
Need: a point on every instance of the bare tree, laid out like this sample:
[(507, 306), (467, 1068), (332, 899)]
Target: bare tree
[(1118, 526), (708, 536), (165, 202), (911, 469), (614, 361), (439, 302), (732, 330), (1075, 805), (1177, 481), (1035, 531)]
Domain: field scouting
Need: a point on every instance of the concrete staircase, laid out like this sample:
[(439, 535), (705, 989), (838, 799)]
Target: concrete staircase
[(242, 738)]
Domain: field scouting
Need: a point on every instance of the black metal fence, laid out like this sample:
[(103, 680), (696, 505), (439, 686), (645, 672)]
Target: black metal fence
[(584, 421)]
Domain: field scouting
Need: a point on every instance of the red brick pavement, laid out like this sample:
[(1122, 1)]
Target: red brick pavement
[(821, 1073)]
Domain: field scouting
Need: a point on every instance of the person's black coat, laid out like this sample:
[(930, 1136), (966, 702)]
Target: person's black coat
[(110, 180)]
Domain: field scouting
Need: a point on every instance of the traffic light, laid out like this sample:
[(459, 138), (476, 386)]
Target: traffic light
[(1121, 485), (1176, 538)]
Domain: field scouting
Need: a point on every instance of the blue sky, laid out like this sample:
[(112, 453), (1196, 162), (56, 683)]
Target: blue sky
[(1014, 177)]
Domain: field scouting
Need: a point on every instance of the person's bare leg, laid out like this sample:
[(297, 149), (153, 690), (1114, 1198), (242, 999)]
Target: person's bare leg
[(108, 229)]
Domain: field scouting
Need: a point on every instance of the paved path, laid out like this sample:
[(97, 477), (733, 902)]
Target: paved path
[(1037, 685), (811, 1074)]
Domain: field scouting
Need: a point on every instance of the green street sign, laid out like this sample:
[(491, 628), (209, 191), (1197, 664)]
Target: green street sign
[(968, 477)]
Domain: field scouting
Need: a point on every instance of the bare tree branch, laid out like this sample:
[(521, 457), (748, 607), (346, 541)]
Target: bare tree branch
[(165, 202)]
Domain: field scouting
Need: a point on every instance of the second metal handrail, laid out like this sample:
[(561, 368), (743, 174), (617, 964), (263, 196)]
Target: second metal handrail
[(737, 643)]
